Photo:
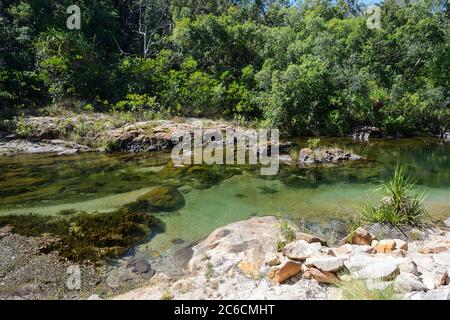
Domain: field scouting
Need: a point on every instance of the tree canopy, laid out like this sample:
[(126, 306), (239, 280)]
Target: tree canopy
[(307, 67)]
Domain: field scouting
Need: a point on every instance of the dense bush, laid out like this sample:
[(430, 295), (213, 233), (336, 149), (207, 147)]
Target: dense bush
[(306, 67)]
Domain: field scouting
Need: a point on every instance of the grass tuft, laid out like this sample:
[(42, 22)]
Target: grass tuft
[(400, 206)]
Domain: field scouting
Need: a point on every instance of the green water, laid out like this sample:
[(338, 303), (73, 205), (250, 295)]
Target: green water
[(217, 195)]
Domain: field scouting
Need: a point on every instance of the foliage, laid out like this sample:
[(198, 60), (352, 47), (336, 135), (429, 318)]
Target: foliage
[(305, 67), (287, 232), (23, 128), (400, 206), (313, 143)]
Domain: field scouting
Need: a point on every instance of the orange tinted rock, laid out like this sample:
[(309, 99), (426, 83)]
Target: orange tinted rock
[(323, 276), (310, 238), (385, 246), (359, 236), (283, 272)]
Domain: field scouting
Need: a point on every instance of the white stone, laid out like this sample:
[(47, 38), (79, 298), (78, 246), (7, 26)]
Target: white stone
[(407, 282), (408, 266), (331, 264), (437, 294), (359, 260), (377, 270), (300, 249), (442, 259)]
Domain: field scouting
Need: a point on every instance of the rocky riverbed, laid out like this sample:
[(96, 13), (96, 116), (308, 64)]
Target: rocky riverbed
[(243, 260), (249, 259)]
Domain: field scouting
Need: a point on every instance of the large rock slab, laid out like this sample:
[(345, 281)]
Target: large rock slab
[(247, 243), (378, 270), (359, 261)]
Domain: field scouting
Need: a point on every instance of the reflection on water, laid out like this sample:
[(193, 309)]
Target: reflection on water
[(217, 195)]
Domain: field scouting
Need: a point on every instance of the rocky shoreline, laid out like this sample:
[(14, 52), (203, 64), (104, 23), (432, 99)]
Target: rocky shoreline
[(71, 135), (242, 260), (249, 258)]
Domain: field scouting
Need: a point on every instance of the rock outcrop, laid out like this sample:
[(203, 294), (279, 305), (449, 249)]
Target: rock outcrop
[(364, 133), (241, 260), (321, 155)]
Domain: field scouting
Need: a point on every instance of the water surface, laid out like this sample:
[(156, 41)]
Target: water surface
[(217, 195)]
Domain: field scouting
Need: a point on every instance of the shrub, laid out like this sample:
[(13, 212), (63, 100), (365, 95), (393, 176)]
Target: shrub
[(23, 128), (356, 289), (400, 206), (287, 231), (313, 143)]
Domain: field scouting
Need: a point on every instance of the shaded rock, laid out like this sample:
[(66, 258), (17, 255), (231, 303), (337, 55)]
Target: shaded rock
[(359, 236), (362, 248), (437, 294), (409, 267), (398, 253), (387, 231), (162, 198), (378, 270), (309, 238), (326, 155), (139, 265), (283, 272), (407, 282), (447, 222), (323, 276), (300, 249)]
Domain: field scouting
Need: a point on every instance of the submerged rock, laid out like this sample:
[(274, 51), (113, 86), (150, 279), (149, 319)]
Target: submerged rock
[(162, 199), (140, 265)]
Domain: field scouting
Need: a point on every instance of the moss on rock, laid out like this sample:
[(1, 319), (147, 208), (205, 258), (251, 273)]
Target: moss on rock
[(161, 199), (86, 236)]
